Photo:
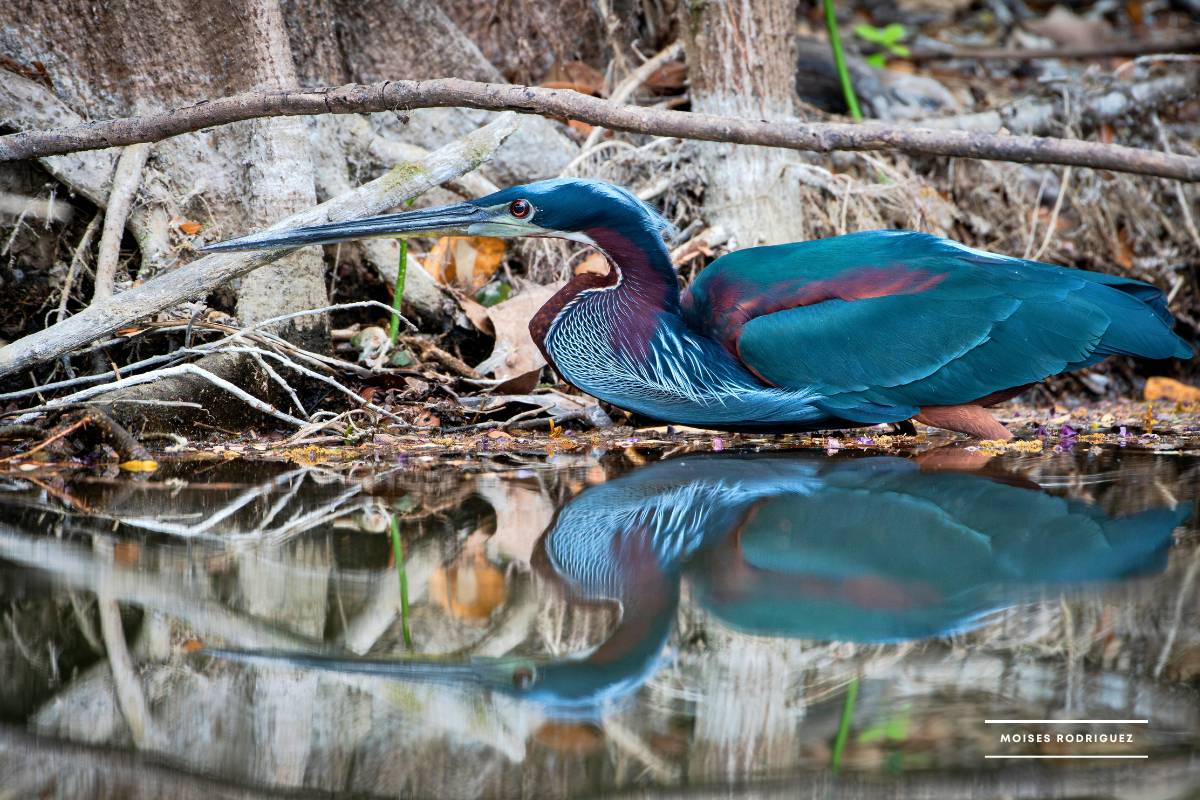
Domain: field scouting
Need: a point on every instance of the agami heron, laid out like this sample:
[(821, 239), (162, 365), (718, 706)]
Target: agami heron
[(854, 330)]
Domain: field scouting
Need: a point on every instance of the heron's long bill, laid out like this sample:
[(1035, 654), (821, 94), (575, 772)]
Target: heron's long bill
[(441, 221), (481, 671)]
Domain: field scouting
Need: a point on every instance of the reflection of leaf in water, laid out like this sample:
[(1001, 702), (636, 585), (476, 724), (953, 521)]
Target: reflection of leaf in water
[(523, 511), (469, 589), (894, 727)]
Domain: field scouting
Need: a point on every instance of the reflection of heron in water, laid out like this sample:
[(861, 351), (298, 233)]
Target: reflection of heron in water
[(863, 550)]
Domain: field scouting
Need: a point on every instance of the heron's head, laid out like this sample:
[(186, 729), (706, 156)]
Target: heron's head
[(568, 208)]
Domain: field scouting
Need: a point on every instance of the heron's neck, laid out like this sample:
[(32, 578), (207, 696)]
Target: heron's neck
[(645, 268)]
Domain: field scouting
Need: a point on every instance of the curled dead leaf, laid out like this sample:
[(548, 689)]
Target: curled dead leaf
[(1159, 388), (467, 262)]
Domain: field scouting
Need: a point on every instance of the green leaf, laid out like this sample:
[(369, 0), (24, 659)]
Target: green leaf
[(493, 293), (877, 60), (888, 37), (893, 33), (869, 33)]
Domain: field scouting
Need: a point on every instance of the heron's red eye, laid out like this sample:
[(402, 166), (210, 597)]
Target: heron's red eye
[(520, 208), (523, 676)]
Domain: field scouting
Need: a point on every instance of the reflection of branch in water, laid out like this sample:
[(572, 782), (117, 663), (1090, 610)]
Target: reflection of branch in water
[(223, 513), (1181, 598), (81, 569), (31, 766), (130, 698)]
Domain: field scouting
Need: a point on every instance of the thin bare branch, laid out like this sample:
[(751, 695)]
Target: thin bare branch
[(819, 137)]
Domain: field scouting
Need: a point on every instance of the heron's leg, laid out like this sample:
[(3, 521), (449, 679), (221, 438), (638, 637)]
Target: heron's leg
[(972, 420)]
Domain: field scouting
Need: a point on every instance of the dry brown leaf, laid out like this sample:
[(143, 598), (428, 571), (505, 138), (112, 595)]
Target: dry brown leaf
[(578, 76), (427, 419), (670, 77), (582, 128), (521, 384), (1067, 28), (477, 313), (467, 262), (594, 263), (515, 353), (1158, 388)]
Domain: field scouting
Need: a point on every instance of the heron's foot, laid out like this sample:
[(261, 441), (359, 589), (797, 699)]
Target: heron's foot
[(970, 419)]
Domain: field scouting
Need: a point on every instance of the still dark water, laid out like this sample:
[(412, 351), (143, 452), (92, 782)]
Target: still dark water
[(774, 625)]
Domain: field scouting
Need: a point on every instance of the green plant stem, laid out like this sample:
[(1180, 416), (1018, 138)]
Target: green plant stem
[(398, 291), (398, 550), (839, 744), (839, 61)]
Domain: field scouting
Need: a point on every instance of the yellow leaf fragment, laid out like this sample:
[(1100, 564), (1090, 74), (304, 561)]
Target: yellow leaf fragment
[(144, 465)]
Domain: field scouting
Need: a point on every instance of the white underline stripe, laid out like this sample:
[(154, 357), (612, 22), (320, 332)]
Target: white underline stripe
[(1066, 756), (1066, 722)]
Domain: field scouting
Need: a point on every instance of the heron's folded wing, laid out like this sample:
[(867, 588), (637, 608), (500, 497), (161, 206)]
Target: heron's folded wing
[(903, 320)]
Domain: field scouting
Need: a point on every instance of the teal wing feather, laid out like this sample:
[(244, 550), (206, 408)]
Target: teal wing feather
[(883, 322)]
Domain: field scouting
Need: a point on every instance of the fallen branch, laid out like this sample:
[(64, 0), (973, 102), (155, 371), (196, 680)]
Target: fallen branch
[(445, 92), (200, 277), (79, 568), (126, 180), (1034, 115), (1116, 49)]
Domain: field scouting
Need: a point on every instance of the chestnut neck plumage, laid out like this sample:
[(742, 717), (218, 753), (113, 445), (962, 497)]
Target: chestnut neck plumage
[(640, 270)]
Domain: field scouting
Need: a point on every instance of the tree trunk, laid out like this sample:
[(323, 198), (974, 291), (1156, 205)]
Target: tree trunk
[(156, 54), (741, 58)]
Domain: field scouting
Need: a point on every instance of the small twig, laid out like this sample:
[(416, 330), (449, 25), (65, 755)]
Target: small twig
[(1185, 207), (1052, 224), (632, 82), (85, 244), (15, 431), (319, 377), (169, 372), (275, 376), (428, 350), (126, 179), (124, 442)]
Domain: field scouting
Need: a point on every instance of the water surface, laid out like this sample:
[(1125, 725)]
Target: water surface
[(607, 622)]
